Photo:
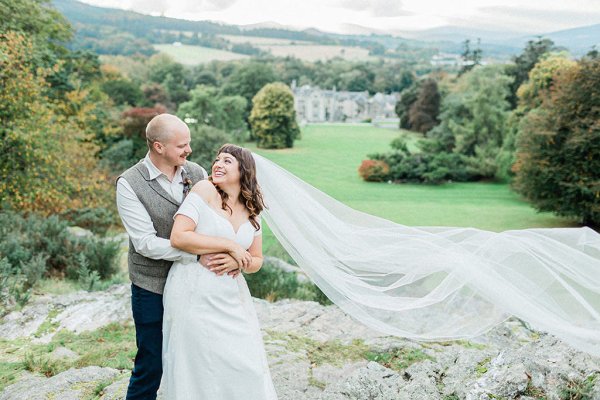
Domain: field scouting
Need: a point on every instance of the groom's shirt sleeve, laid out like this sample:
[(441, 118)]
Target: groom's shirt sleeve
[(139, 226)]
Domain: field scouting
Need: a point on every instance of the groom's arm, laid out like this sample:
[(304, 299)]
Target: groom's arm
[(139, 226)]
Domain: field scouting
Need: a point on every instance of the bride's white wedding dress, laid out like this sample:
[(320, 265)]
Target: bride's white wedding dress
[(212, 344)]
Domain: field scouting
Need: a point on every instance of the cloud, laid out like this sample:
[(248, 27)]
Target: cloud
[(377, 8), (187, 6)]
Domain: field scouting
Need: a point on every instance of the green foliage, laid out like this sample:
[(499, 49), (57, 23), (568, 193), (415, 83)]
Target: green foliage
[(537, 88), (272, 283), (531, 95), (87, 278), (465, 145), (123, 91), (14, 288), (111, 346), (245, 48), (206, 141), (37, 19), (398, 359), (474, 113), (246, 80), (273, 117), (121, 155), (33, 247), (208, 107), (125, 149), (42, 365), (482, 366), (524, 62), (470, 57), (558, 158), (97, 220), (423, 112), (106, 40), (452, 396), (172, 76), (47, 156), (579, 389), (332, 352), (407, 98), (100, 255)]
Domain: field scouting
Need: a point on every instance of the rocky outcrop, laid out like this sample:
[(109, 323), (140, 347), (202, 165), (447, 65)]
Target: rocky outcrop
[(318, 352)]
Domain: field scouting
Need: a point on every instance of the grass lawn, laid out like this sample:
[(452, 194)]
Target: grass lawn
[(328, 157), (193, 55)]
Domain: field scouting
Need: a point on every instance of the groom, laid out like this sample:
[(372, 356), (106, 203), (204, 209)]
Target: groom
[(148, 195)]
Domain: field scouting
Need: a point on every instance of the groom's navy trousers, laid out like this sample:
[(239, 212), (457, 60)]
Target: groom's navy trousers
[(147, 310)]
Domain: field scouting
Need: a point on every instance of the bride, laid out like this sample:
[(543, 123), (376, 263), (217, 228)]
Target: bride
[(212, 344), (422, 283)]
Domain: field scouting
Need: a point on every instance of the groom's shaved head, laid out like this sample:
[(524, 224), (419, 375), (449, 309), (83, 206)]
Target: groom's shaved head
[(162, 128)]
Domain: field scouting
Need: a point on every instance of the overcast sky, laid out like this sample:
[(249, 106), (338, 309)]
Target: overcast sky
[(528, 16)]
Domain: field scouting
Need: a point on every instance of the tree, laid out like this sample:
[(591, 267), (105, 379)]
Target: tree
[(423, 113), (558, 157), (208, 107), (122, 91), (524, 62), (247, 80), (38, 20), (470, 58), (531, 94), (475, 112), (407, 98), (206, 141), (273, 118), (47, 153), (172, 76)]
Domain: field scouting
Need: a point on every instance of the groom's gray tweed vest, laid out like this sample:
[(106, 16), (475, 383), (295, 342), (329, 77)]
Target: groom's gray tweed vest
[(145, 272)]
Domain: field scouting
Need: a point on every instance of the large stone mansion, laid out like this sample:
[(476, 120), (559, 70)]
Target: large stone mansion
[(317, 105)]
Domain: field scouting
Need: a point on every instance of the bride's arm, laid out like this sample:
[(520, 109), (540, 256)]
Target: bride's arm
[(220, 264), (184, 237), (255, 251)]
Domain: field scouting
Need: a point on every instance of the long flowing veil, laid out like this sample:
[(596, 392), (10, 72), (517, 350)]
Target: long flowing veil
[(437, 283)]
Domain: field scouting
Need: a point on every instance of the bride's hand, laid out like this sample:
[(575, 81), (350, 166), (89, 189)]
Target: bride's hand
[(241, 256)]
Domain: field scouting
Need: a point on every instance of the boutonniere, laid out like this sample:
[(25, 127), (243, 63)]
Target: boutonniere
[(187, 186)]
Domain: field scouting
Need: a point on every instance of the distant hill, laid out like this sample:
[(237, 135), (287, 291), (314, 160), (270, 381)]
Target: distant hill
[(114, 31), (578, 40)]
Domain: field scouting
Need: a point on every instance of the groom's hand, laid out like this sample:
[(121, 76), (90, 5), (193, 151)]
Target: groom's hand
[(221, 263)]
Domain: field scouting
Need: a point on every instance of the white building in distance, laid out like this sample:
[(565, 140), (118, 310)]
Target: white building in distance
[(313, 104)]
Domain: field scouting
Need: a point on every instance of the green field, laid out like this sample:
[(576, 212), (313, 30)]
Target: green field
[(328, 157), (315, 52), (260, 41), (193, 55)]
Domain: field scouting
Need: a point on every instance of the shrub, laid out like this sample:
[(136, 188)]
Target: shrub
[(272, 283), (97, 220), (121, 155), (101, 255), (374, 170), (32, 247)]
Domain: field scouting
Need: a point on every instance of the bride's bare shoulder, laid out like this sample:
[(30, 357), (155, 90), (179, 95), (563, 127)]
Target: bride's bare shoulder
[(206, 190)]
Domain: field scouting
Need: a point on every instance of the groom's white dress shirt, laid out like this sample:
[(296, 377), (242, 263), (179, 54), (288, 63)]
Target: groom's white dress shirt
[(137, 221)]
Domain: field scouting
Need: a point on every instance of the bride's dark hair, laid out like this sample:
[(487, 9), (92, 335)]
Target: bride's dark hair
[(250, 193)]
